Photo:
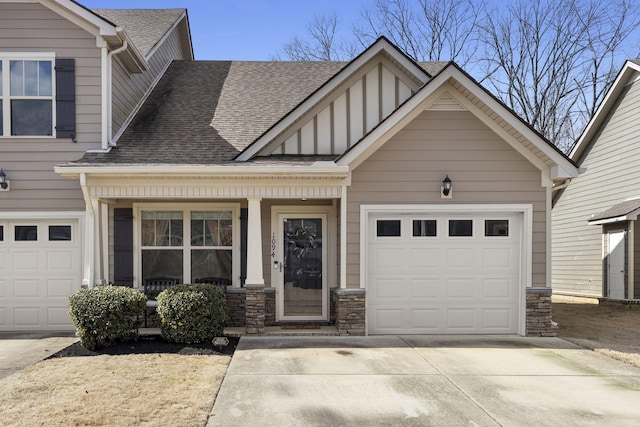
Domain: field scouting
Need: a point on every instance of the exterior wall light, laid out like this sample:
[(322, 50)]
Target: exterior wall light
[(4, 184), (446, 188)]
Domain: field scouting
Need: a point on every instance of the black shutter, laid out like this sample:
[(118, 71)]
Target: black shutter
[(123, 246), (65, 98)]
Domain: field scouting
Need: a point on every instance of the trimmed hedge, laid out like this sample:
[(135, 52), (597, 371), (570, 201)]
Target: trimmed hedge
[(192, 313), (104, 314)]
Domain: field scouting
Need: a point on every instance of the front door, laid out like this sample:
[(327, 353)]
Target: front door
[(301, 272), (616, 265)]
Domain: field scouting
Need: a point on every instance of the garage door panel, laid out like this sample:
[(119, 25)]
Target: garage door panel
[(389, 318), (497, 318), (60, 288), (426, 319), (26, 288), (60, 261), (443, 285), (461, 318), (460, 288), (460, 259), (498, 258), (423, 258), (25, 261), (3, 289), (389, 288), (26, 316), (58, 316), (424, 288), (389, 259), (498, 288)]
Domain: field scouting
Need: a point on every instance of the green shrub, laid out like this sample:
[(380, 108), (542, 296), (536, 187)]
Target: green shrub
[(192, 313), (104, 314)]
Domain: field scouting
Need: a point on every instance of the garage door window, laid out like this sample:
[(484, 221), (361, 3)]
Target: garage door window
[(460, 227), (1, 233), (496, 228), (388, 228), (26, 233), (424, 228), (59, 233)]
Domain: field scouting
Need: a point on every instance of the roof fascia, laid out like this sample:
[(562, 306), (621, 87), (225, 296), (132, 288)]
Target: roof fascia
[(81, 16), (99, 27), (415, 105), (380, 45), (321, 169), (628, 70)]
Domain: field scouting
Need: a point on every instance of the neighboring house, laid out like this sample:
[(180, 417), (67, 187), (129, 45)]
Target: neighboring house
[(318, 191), (596, 236), (71, 79)]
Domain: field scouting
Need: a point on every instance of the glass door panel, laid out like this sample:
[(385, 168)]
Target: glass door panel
[(303, 288)]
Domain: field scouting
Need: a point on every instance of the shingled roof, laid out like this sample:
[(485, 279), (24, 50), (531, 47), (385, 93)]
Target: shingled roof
[(145, 27)]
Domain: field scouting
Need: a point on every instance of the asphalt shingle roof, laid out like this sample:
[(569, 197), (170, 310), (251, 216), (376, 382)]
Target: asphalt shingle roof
[(618, 210), (145, 27), (206, 112)]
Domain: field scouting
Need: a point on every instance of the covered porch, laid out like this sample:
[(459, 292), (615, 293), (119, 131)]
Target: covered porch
[(275, 237)]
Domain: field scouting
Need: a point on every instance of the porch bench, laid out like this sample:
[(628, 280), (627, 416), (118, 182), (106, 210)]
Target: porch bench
[(152, 288)]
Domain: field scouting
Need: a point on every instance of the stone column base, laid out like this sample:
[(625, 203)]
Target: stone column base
[(350, 308), (539, 322), (255, 306)]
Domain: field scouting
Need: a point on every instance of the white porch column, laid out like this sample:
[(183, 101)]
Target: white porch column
[(255, 274), (343, 238)]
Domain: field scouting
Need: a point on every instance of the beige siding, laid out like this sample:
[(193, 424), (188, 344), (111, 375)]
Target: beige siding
[(129, 89), (611, 176), (29, 162), (410, 167)]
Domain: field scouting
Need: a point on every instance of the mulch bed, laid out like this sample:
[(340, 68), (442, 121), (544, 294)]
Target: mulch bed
[(149, 345)]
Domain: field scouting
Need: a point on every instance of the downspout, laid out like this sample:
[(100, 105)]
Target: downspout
[(122, 48), (87, 280)]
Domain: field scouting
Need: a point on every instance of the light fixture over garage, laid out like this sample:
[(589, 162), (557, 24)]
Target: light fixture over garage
[(446, 188)]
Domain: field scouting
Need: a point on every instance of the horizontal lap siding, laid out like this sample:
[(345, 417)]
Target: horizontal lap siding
[(611, 176), (29, 162), (129, 89), (410, 167)]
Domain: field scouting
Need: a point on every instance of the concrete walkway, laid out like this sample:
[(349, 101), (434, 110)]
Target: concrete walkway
[(19, 350), (418, 380)]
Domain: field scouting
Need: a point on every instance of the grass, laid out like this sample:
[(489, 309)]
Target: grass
[(125, 390)]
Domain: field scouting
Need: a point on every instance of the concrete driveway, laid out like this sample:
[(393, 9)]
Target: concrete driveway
[(19, 350), (424, 380)]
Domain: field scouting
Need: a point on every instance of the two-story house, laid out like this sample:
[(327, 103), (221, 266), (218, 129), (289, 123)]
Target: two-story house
[(71, 79)]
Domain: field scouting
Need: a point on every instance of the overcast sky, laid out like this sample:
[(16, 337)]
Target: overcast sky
[(245, 29)]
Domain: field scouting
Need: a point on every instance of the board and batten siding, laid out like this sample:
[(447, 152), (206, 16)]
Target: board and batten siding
[(410, 167), (370, 97), (129, 89), (29, 162), (611, 176)]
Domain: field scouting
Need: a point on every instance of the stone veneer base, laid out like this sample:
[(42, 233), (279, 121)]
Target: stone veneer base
[(539, 323)]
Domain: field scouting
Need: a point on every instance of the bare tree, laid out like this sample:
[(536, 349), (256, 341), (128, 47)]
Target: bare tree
[(552, 62), (320, 43), (427, 30)]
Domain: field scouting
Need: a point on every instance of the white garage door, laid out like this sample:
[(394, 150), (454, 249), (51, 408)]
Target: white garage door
[(443, 273), (40, 267)]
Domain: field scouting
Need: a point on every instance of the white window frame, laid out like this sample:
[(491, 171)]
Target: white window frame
[(5, 98), (186, 210)]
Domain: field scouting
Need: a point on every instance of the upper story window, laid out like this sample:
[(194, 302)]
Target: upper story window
[(37, 95)]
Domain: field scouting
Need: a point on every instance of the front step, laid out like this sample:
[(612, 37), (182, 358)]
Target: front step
[(285, 331)]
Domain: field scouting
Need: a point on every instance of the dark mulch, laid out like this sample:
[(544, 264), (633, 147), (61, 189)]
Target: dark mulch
[(150, 345)]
